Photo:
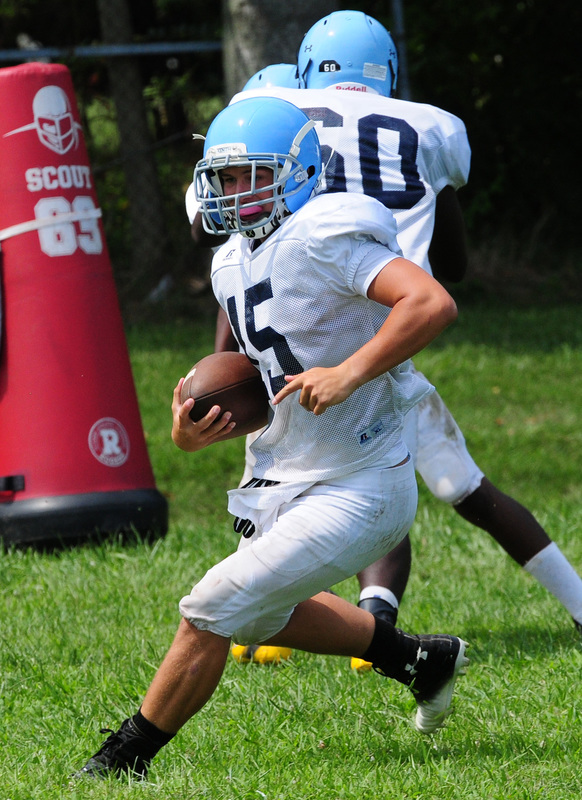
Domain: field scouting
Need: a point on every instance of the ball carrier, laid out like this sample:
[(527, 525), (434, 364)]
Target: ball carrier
[(318, 294)]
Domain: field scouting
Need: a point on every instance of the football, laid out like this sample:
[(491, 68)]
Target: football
[(228, 380)]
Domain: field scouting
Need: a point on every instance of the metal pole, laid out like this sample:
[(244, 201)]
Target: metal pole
[(399, 37)]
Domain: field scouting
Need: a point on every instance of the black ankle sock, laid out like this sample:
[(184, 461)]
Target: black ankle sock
[(391, 650), (380, 608), (158, 737)]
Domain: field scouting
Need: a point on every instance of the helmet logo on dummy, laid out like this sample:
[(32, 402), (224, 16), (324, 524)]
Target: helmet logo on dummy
[(329, 66), (109, 442), (53, 120)]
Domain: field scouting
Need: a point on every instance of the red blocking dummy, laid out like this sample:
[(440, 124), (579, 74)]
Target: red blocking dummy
[(73, 459)]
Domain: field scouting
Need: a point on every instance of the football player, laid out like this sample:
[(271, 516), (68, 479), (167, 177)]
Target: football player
[(412, 157), (319, 296)]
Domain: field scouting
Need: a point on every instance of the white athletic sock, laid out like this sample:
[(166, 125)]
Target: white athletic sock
[(379, 591), (553, 570)]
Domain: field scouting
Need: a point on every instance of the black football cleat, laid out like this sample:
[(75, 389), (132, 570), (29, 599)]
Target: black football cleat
[(439, 662), (127, 750)]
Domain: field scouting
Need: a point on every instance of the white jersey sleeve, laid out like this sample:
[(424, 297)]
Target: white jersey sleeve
[(192, 205), (399, 152), (298, 301)]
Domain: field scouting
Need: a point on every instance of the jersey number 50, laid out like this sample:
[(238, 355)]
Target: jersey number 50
[(410, 189)]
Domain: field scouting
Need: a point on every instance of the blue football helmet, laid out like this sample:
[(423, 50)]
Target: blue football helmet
[(284, 75), (257, 132), (348, 48)]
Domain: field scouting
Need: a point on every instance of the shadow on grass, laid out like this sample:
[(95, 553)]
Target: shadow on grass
[(521, 641), (533, 328)]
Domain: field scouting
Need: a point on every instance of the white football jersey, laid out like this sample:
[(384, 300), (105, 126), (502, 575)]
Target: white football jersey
[(192, 205), (399, 152), (299, 301)]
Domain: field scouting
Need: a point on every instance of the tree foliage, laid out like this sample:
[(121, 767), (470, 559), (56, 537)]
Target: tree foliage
[(509, 68), (511, 71), (251, 41)]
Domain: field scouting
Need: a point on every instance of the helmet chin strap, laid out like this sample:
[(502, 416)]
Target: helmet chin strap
[(262, 231), (301, 134), (295, 148)]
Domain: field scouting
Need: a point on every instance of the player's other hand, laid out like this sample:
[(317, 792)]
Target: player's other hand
[(191, 436), (319, 388)]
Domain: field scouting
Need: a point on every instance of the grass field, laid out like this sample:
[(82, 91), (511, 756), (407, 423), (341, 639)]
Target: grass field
[(82, 631)]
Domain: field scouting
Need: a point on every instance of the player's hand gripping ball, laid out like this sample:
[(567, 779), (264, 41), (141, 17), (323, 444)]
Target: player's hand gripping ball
[(228, 380)]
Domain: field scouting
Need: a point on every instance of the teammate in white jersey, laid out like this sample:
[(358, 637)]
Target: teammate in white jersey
[(412, 157), (360, 311)]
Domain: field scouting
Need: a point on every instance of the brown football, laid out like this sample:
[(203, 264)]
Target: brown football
[(228, 380)]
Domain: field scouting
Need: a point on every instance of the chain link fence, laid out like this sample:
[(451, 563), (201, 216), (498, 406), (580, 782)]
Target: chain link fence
[(139, 106)]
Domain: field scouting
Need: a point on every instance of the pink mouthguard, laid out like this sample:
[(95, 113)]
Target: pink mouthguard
[(250, 211)]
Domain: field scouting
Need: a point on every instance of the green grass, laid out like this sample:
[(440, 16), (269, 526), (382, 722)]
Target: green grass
[(83, 631)]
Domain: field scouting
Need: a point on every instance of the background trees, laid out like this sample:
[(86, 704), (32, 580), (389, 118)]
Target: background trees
[(509, 68), (256, 33)]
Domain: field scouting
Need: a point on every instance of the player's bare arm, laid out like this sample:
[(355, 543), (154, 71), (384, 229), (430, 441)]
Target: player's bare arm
[(421, 310), (192, 436), (224, 337), (447, 252)]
